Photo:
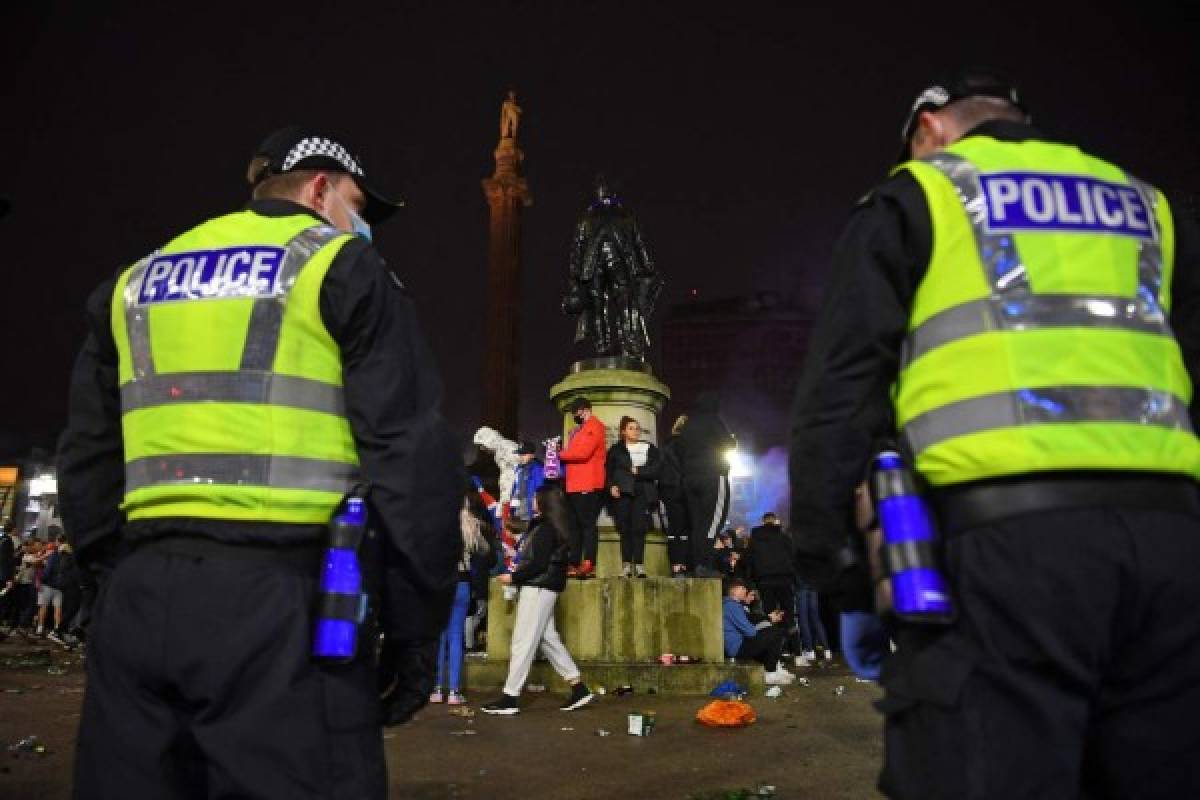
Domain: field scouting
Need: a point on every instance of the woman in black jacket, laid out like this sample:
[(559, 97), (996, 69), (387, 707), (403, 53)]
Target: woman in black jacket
[(542, 574), (633, 468)]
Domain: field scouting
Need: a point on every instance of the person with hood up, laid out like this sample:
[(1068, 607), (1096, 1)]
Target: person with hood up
[(703, 447)]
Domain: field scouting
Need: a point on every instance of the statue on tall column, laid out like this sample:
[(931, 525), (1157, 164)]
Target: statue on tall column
[(510, 116), (613, 285)]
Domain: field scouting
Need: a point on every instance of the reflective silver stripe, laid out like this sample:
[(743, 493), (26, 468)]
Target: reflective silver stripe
[(1028, 312), (278, 472), (1012, 306), (1046, 406), (233, 387), (1150, 259), (266, 318), (137, 321), (1003, 268)]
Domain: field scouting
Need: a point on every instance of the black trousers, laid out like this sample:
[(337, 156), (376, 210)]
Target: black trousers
[(679, 548), (200, 684), (1073, 669), (584, 537), (780, 594), (629, 513), (708, 507), (766, 646)]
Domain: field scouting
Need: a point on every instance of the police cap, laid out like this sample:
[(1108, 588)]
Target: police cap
[(970, 83), (296, 147)]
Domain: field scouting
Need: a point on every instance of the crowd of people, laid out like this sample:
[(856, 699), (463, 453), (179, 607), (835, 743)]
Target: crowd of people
[(541, 531), (42, 590)]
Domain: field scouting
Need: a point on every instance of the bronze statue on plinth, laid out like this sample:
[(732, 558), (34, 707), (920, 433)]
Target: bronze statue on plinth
[(613, 284)]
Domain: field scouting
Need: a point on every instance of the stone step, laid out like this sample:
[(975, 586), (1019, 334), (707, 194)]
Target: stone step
[(688, 679)]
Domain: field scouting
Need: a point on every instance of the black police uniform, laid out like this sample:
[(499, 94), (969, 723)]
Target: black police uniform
[(200, 681), (1075, 662)]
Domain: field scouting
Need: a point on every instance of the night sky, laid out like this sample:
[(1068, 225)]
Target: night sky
[(741, 138)]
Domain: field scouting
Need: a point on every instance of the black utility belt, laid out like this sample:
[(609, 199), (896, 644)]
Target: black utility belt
[(961, 508), (304, 556)]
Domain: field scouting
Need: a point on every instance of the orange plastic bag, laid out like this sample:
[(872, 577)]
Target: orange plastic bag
[(726, 714)]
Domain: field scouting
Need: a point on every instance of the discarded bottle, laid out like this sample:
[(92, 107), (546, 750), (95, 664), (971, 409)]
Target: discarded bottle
[(919, 590), (341, 603)]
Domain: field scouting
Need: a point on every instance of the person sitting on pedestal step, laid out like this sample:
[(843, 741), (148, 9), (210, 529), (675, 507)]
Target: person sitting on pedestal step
[(633, 470), (541, 575), (744, 640), (583, 458)]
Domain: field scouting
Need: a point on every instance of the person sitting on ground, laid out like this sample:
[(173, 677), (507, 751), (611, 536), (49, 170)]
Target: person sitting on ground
[(744, 640), (541, 574), (770, 560), (727, 559)]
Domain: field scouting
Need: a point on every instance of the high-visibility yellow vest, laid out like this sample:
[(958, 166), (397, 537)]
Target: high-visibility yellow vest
[(1038, 338), (231, 387)]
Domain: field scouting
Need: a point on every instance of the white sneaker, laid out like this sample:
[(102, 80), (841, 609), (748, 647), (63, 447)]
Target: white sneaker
[(803, 661), (778, 678), (810, 656), (781, 668), (829, 655)]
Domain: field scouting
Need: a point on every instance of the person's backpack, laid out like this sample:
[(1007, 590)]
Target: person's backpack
[(51, 572)]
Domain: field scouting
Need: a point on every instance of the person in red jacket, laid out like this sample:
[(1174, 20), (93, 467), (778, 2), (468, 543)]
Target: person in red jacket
[(583, 458)]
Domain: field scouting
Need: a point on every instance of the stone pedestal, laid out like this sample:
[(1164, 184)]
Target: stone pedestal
[(617, 387), (616, 628)]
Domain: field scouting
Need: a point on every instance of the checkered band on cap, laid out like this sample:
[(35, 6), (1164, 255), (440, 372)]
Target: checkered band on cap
[(318, 146)]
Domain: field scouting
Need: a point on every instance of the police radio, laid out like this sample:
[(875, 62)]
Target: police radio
[(909, 554), (341, 600)]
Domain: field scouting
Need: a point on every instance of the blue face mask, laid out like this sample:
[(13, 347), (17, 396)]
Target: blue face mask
[(360, 225), (357, 223)]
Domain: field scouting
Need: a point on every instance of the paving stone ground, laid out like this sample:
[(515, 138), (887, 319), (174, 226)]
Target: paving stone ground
[(809, 743)]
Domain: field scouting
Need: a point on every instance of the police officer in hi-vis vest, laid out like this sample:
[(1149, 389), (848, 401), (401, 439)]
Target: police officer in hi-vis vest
[(234, 384), (1021, 318)]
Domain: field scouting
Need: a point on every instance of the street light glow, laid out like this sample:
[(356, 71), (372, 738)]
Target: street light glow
[(741, 465)]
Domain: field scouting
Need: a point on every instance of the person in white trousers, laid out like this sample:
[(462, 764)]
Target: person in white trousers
[(541, 576)]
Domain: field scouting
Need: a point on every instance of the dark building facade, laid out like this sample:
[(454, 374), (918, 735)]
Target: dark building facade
[(749, 349)]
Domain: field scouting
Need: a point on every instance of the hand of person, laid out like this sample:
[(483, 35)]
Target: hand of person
[(634, 470), (775, 616), (505, 578), (864, 643), (615, 491)]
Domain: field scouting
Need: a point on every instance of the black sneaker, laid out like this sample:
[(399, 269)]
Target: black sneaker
[(505, 704), (580, 697)]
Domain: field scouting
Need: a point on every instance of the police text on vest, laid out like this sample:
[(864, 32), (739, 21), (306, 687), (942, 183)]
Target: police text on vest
[(1041, 201), (207, 274)]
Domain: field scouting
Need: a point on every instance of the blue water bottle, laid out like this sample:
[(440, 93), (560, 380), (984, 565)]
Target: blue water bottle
[(919, 589), (341, 602)]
